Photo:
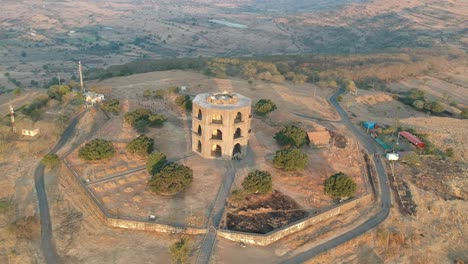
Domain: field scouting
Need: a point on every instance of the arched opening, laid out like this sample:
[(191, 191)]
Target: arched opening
[(217, 134), (237, 134), (238, 118), (216, 151), (199, 146), (199, 114), (217, 118), (236, 152), (199, 132)]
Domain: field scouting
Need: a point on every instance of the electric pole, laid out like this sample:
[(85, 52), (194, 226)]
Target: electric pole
[(12, 116), (80, 70)]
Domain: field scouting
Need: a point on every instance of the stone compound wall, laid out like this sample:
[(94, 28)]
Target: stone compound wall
[(266, 239), (215, 120)]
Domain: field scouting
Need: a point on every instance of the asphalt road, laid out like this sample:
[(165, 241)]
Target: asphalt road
[(385, 197), (47, 242)]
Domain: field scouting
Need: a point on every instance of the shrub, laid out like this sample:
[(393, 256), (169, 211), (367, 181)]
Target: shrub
[(50, 160), (97, 149), (171, 179), (264, 107), (58, 91), (155, 162), (437, 107), (411, 158), (464, 113), (184, 102), (340, 185), (141, 145), (17, 91), (418, 104), (291, 135), (111, 106), (258, 182), (180, 251), (140, 118), (290, 159)]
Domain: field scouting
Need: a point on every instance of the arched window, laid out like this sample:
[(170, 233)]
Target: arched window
[(199, 132), (199, 114), (237, 150), (199, 146), (238, 118), (217, 134), (217, 118), (237, 134), (216, 151)]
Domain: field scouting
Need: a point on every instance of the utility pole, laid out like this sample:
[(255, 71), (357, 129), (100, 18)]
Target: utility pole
[(58, 75), (12, 116), (80, 70)]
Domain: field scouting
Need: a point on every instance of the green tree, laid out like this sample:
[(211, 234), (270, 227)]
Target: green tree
[(171, 179), (50, 160), (290, 159), (97, 149), (155, 162), (147, 94), (111, 106), (258, 182), (464, 113), (340, 185), (351, 87), (437, 107), (17, 91), (140, 118), (156, 120), (58, 91), (264, 107), (291, 135), (416, 94), (184, 102), (141, 145), (418, 104), (180, 251)]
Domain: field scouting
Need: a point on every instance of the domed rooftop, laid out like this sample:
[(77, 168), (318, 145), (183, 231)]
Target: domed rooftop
[(222, 100)]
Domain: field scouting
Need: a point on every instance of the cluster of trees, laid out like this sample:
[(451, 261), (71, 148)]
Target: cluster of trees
[(264, 107), (416, 98), (340, 185), (58, 91), (180, 251), (97, 149), (291, 135), (258, 182), (33, 109), (141, 118), (184, 102), (167, 178), (111, 106), (141, 146)]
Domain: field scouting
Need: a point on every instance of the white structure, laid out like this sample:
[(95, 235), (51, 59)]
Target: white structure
[(392, 156), (31, 133), (92, 97)]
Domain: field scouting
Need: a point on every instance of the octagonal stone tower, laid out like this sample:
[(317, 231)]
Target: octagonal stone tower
[(221, 125)]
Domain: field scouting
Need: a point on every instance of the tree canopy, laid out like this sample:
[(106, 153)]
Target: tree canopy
[(264, 107), (258, 181), (155, 162), (291, 135), (97, 149), (180, 251), (290, 159), (112, 106), (340, 185), (142, 145), (58, 91), (171, 179), (140, 118), (50, 160), (184, 102)]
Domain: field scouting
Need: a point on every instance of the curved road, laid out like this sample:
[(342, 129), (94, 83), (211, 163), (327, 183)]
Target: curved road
[(47, 242), (385, 198)]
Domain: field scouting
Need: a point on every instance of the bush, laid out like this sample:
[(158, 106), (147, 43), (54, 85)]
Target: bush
[(411, 158), (184, 102), (290, 159), (171, 179), (291, 136), (111, 106), (437, 107), (464, 113), (58, 91), (155, 162), (50, 160), (180, 251), (264, 107), (258, 182), (141, 145), (339, 98), (97, 149), (340, 185)]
